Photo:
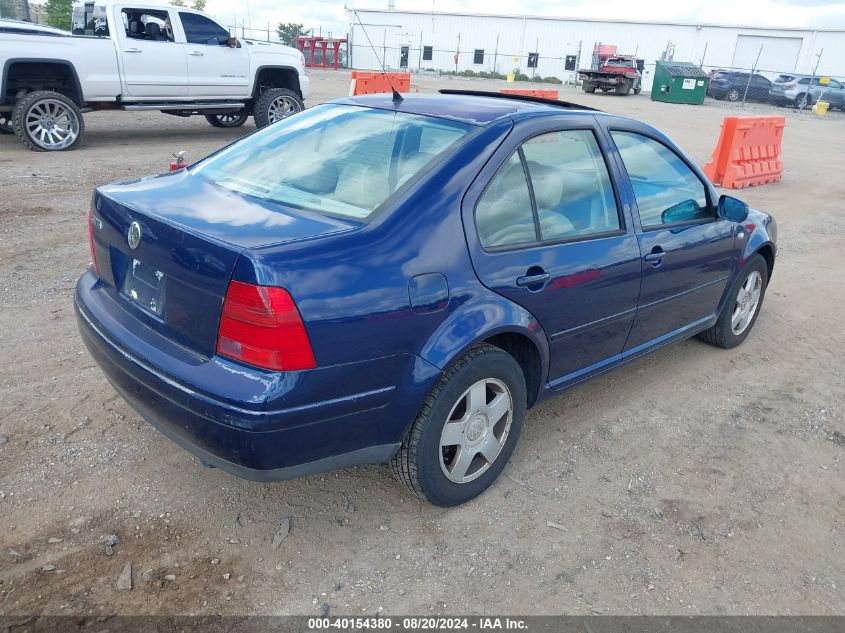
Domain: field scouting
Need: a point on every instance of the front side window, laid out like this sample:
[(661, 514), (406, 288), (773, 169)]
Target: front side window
[(143, 24), (200, 30), (666, 189), (571, 185), (340, 160)]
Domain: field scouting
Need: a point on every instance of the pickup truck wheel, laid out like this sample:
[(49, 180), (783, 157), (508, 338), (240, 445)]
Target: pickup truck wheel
[(638, 89), (623, 88), (226, 120), (589, 88), (276, 104), (466, 430), (47, 121), (6, 123)]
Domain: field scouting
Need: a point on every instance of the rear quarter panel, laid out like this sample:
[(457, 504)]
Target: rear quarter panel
[(93, 59)]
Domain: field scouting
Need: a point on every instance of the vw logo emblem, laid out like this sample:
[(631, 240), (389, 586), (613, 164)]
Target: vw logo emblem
[(134, 236)]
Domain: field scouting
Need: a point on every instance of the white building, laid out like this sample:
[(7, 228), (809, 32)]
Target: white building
[(486, 42)]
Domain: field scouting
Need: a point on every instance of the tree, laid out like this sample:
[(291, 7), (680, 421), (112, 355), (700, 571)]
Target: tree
[(289, 30), (199, 5), (59, 13), (177, 3)]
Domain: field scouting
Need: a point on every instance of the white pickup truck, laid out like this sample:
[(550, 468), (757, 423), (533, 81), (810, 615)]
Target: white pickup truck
[(136, 56)]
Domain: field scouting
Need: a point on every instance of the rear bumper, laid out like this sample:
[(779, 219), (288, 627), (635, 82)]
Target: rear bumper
[(255, 439)]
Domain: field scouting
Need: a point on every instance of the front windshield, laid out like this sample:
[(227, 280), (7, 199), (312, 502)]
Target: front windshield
[(341, 160)]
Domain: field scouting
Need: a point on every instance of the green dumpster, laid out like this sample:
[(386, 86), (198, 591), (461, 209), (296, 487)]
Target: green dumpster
[(679, 82)]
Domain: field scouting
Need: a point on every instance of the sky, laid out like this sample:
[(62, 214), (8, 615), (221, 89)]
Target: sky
[(330, 16)]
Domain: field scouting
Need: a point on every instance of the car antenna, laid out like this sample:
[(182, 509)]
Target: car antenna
[(397, 98)]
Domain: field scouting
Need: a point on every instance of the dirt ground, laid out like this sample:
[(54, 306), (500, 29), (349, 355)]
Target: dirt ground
[(697, 481)]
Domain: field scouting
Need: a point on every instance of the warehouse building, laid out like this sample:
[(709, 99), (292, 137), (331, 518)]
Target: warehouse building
[(557, 47)]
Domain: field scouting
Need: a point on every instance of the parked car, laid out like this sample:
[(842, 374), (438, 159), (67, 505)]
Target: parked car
[(142, 56), (731, 85), (375, 280), (802, 91)]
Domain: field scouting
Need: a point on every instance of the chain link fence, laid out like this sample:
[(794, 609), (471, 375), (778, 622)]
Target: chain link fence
[(752, 89)]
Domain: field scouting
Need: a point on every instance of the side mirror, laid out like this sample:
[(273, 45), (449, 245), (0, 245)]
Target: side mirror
[(732, 209)]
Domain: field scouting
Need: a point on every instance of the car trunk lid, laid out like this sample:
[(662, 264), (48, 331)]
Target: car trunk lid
[(167, 247)]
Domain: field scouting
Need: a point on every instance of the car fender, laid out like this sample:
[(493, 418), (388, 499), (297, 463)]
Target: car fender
[(762, 233), (476, 321)]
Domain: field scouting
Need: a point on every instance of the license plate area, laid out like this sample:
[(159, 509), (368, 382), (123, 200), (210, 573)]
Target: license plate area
[(143, 285)]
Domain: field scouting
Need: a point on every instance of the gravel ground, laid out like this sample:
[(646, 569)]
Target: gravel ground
[(697, 481)]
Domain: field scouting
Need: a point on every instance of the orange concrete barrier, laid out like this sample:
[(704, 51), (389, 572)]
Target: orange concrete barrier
[(748, 152), (543, 94), (368, 83)]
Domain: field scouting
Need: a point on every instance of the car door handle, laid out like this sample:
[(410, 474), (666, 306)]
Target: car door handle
[(655, 257), (533, 280), (196, 53), (131, 50)]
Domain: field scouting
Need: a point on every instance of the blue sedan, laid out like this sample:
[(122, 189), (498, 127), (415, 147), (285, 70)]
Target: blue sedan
[(377, 280)]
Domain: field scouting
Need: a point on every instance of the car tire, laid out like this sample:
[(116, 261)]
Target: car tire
[(226, 120), (589, 89), (744, 302), (733, 95), (637, 90), (6, 123), (486, 381), (276, 104), (53, 110), (803, 101), (624, 88)]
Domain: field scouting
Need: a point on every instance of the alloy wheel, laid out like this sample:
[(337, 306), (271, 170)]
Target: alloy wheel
[(231, 120), (476, 430), (51, 125), (747, 300), (282, 107), (733, 94)]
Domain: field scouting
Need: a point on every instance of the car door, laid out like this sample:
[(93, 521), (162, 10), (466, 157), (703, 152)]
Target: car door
[(688, 253), (153, 63), (215, 69), (546, 230)]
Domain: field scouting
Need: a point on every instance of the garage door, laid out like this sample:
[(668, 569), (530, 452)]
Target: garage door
[(780, 54)]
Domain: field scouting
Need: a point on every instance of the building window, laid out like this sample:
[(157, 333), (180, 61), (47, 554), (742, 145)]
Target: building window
[(532, 59), (478, 56), (427, 50)]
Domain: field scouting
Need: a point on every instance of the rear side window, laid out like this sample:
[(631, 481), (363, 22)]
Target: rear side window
[(340, 160), (200, 30), (504, 216), (571, 185), (144, 24), (666, 189), (572, 194)]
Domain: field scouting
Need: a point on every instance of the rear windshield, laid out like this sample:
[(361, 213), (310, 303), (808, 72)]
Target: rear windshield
[(619, 63), (341, 160)]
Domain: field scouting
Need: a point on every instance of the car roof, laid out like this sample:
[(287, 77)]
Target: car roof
[(473, 107)]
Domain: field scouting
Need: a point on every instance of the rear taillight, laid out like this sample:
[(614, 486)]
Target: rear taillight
[(261, 326), (91, 243)]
